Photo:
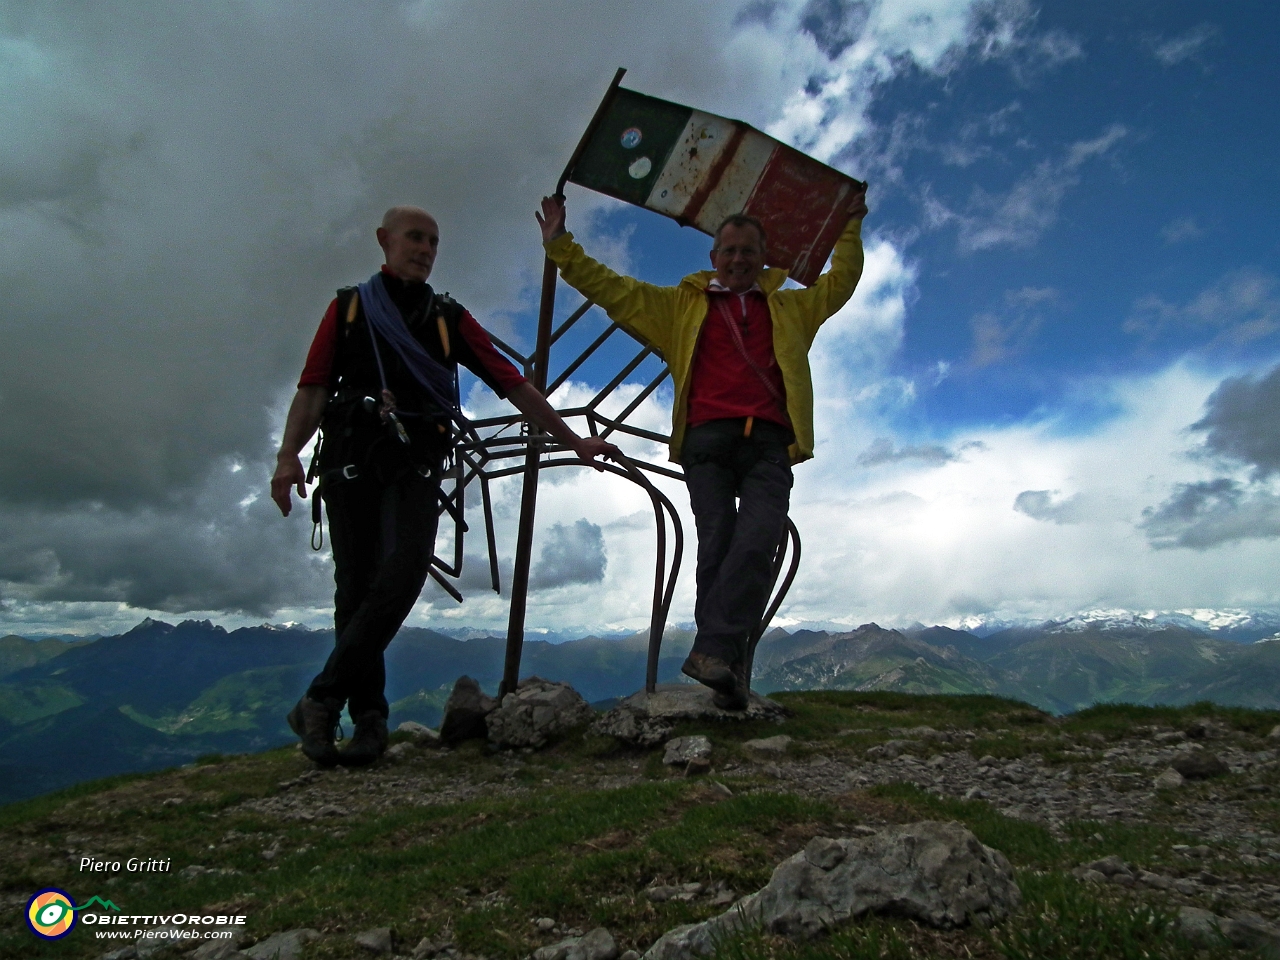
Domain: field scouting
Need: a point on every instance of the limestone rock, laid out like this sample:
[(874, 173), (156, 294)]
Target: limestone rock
[(1111, 866), (890, 749), (632, 728), (1156, 881), (681, 750), (464, 712), (282, 946), (1202, 927), (1200, 765), (422, 734), (596, 944), (684, 892), (1169, 780), (1247, 931), (647, 719), (1088, 875), (1275, 733), (773, 745), (377, 940), (1204, 729), (536, 711), (430, 948), (218, 950), (938, 873)]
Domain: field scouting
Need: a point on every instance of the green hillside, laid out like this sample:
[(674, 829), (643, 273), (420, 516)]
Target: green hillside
[(18, 653)]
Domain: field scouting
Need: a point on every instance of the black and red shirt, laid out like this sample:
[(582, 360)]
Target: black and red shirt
[(468, 344), (722, 383)]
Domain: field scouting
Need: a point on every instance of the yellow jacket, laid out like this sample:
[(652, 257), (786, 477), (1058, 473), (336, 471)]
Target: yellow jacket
[(670, 320)]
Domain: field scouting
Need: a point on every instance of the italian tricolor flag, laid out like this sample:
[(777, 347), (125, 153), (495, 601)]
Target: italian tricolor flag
[(698, 169)]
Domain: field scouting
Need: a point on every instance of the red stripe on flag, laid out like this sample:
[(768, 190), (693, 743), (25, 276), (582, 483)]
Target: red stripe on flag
[(802, 204), (712, 179)]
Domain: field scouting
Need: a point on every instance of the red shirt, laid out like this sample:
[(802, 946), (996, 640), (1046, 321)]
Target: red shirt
[(722, 384), (497, 370)]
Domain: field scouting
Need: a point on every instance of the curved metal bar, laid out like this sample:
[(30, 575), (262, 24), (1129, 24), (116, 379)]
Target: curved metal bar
[(664, 578), (490, 540), (789, 535)]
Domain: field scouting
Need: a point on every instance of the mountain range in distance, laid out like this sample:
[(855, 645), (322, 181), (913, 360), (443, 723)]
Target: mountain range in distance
[(161, 695)]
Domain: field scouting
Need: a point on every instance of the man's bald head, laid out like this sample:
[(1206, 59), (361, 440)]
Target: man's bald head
[(393, 216), (409, 237)]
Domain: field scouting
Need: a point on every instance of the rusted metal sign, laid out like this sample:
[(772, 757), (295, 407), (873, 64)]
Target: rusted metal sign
[(698, 169)]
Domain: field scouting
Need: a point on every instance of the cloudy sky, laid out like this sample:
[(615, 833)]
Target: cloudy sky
[(1056, 389)]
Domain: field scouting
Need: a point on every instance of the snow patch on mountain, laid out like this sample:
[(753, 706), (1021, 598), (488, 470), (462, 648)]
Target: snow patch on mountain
[(1241, 626)]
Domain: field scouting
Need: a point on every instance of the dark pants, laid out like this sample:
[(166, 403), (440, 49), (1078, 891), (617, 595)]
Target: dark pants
[(383, 537), (736, 541)]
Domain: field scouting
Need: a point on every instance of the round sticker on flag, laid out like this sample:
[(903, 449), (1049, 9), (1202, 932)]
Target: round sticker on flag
[(640, 169), (631, 138)]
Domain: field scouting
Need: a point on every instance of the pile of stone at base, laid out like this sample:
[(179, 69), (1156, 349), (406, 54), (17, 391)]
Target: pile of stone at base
[(539, 710), (647, 719), (937, 873), (534, 712), (529, 716)]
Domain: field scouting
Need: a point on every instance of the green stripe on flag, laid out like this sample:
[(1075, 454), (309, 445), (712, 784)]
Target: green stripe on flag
[(630, 146)]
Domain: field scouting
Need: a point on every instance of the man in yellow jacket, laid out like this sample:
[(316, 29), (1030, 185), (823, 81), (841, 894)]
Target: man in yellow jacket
[(737, 346)]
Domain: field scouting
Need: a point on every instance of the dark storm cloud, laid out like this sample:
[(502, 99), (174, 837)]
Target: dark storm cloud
[(221, 551), (182, 187), (572, 554), (1242, 420), (1210, 513), (475, 580), (1242, 424)]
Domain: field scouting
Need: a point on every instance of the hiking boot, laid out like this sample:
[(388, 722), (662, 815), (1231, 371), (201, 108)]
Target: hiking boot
[(738, 699), (368, 743), (314, 723), (710, 672)]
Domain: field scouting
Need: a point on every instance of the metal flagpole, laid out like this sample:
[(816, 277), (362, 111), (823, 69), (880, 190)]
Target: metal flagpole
[(529, 493)]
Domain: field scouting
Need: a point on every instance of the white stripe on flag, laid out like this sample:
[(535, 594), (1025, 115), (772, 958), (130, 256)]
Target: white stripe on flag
[(700, 145), (729, 196)]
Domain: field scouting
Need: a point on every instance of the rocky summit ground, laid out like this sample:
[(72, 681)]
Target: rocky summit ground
[(471, 851)]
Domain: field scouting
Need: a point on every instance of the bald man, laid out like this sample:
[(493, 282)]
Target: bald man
[(397, 342)]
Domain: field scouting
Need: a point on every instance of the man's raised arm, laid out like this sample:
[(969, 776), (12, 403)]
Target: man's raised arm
[(643, 309), (833, 289)]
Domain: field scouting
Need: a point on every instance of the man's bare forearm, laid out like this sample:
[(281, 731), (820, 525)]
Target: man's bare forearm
[(305, 414), (533, 405)]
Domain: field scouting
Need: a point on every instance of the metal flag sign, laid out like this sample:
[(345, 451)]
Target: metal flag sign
[(698, 169)]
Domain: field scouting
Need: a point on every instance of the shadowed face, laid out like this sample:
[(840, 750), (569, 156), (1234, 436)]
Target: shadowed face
[(738, 257), (410, 239)]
